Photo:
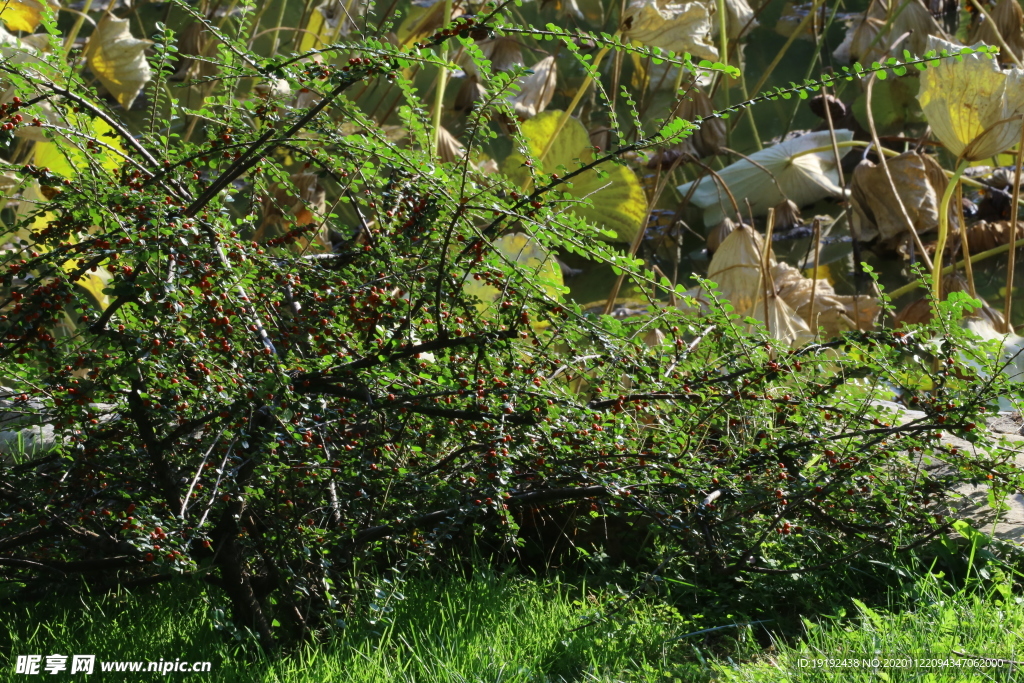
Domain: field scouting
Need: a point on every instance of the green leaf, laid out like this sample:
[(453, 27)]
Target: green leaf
[(618, 201)]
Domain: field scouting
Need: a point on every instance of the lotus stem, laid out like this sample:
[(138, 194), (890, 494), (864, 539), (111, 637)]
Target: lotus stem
[(69, 42), (965, 248), (1011, 260), (572, 105), (442, 83), (940, 247), (994, 251), (723, 37)]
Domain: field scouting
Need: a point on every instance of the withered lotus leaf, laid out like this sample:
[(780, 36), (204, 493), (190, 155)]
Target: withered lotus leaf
[(919, 181), (118, 59)]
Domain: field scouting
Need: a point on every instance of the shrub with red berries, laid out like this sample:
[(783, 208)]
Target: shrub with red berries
[(289, 347)]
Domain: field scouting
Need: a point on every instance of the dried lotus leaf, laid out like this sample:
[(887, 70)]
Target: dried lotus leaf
[(194, 45), (920, 311), (783, 323), (536, 89), (449, 149), (736, 267), (118, 59), (864, 44), (681, 28), (718, 234), (985, 235), (835, 313), (704, 142), (503, 51), (740, 19), (654, 338), (920, 182), (470, 92), (787, 216), (1009, 22)]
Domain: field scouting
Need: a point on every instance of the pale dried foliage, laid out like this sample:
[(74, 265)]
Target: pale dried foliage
[(863, 42), (920, 310), (118, 59), (1009, 22), (536, 89), (718, 234), (504, 52), (985, 235), (469, 94), (684, 27), (704, 142), (787, 216), (740, 19), (737, 270), (449, 149), (919, 181), (833, 312)]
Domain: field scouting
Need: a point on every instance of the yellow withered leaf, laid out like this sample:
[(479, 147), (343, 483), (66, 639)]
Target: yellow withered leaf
[(619, 204), (973, 107), (66, 160), (92, 282), (118, 59), (327, 22), (22, 15)]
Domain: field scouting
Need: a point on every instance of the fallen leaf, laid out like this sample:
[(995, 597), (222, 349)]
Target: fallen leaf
[(118, 59), (782, 171)]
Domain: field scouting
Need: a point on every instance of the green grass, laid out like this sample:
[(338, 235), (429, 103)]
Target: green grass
[(917, 640), (512, 629), (491, 628)]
